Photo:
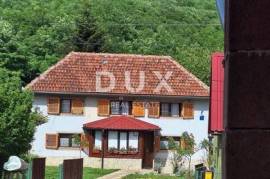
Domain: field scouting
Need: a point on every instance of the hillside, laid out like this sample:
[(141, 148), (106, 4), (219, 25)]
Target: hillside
[(36, 33)]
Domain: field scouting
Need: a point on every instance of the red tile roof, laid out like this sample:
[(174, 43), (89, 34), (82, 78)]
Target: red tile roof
[(76, 73), (121, 123)]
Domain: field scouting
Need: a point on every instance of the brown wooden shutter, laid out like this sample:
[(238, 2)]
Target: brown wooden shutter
[(103, 107), (52, 141), (153, 109), (53, 105), (138, 109), (77, 106), (188, 111)]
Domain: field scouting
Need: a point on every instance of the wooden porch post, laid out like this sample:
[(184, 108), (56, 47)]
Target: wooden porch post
[(102, 152)]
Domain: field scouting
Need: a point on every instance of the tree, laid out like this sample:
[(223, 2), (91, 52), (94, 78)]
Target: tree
[(177, 158), (88, 37), (185, 150), (17, 123), (207, 146)]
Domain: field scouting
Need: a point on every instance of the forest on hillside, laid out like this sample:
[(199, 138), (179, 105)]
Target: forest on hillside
[(34, 34)]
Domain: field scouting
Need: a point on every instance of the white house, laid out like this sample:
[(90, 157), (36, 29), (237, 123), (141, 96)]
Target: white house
[(124, 106)]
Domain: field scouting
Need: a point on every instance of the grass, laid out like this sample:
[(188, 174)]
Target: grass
[(150, 176), (88, 173)]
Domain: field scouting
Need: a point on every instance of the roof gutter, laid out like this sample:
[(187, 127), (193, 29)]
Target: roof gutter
[(121, 94)]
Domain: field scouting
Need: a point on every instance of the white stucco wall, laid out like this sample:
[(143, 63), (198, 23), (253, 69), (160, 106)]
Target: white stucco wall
[(170, 126)]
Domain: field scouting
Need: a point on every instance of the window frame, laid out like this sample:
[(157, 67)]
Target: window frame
[(169, 112), (166, 138), (120, 109), (179, 106), (94, 141), (61, 104), (118, 148), (70, 138)]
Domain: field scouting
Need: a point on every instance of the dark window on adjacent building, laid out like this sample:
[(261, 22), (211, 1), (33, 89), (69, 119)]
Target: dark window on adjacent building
[(65, 106), (68, 140), (120, 107)]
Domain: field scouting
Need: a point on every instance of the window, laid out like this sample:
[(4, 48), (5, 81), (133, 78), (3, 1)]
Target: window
[(57, 105), (120, 107), (98, 140), (65, 106), (170, 109), (115, 107), (123, 141), (176, 110), (68, 140), (165, 109), (165, 144), (125, 105), (133, 141), (113, 140)]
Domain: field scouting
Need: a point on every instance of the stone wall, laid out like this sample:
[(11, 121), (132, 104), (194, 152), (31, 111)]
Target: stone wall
[(164, 161), (109, 163)]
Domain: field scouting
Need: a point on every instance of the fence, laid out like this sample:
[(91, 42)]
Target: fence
[(71, 169), (38, 168)]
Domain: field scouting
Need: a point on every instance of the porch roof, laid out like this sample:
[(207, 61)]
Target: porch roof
[(121, 123)]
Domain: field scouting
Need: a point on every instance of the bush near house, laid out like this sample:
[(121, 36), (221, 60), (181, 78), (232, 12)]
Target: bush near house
[(183, 152)]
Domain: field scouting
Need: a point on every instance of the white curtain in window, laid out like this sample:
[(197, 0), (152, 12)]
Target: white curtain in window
[(123, 140), (125, 107), (133, 140), (175, 110), (112, 139), (98, 139)]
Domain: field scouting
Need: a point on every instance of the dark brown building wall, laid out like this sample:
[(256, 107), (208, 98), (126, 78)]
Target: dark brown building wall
[(247, 89)]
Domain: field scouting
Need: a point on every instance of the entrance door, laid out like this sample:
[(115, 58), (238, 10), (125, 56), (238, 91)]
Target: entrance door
[(148, 150)]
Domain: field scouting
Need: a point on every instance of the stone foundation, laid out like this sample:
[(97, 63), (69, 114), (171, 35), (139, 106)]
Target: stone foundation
[(109, 163), (116, 163)]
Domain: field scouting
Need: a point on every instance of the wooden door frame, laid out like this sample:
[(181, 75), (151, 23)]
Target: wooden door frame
[(147, 134)]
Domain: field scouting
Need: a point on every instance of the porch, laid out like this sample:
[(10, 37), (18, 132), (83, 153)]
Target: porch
[(129, 140)]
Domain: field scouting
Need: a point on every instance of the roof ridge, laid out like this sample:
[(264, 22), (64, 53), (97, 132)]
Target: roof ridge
[(123, 54), (44, 74), (189, 73)]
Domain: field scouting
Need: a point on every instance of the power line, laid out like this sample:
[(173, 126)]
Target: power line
[(155, 44), (164, 24)]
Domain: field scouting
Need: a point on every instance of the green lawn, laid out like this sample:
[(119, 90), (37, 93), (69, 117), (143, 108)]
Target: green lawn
[(88, 173), (150, 176)]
